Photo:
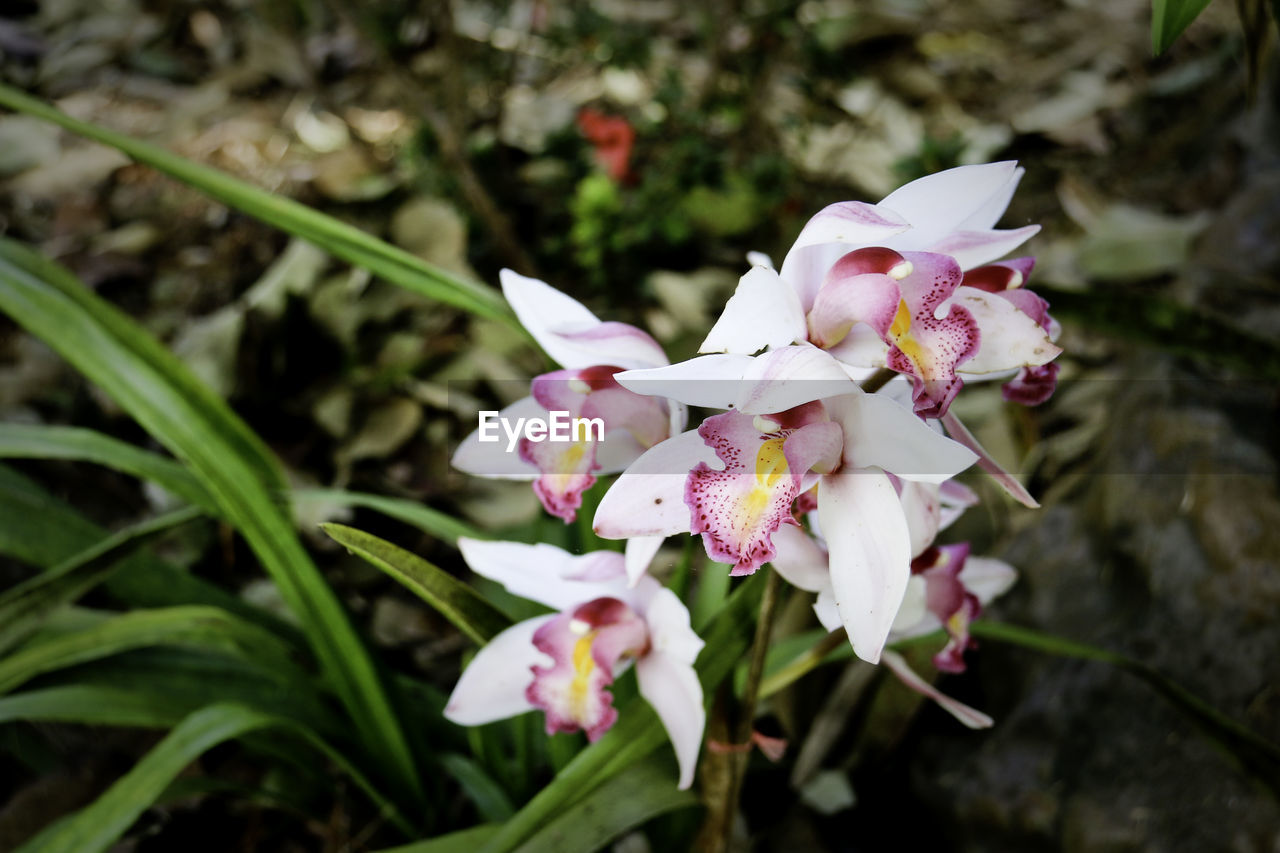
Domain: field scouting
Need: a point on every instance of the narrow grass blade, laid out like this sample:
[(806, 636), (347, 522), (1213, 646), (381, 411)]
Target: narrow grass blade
[(53, 532), (239, 472), (490, 800), (98, 826), (190, 627), (1169, 18), (1254, 752), (433, 522), (25, 441), (26, 605), (333, 236), (639, 793), (456, 601), (463, 841)]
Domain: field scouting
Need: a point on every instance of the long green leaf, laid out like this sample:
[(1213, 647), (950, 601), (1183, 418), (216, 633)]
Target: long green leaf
[(428, 520), (456, 601), (1257, 754), (26, 605), (192, 627), (98, 826), (463, 841), (93, 704), (333, 236), (490, 800), (53, 532), (26, 441), (1169, 18), (640, 793), (638, 730), (234, 466)]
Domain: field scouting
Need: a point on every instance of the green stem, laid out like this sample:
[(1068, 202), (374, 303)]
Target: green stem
[(723, 833), (878, 380)]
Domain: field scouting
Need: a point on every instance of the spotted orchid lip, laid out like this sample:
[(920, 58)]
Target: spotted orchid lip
[(736, 509)]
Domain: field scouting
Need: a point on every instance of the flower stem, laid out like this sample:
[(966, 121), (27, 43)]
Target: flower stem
[(723, 813), (878, 380)]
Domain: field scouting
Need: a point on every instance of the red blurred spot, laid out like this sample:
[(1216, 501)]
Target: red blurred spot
[(612, 137)]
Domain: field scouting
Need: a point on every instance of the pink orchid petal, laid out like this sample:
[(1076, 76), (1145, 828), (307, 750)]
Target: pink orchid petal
[(970, 717), (1009, 338), (879, 433), (763, 312), (1032, 386), (870, 550), (566, 472), (1001, 276), (929, 340), (546, 574), (800, 559), (648, 499), (672, 688), (493, 686), (986, 462), (844, 300), (585, 645), (833, 231), (738, 507)]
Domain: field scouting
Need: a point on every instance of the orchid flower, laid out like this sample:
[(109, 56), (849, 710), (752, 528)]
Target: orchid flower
[(736, 479), (563, 663), (856, 283), (946, 590), (592, 352)]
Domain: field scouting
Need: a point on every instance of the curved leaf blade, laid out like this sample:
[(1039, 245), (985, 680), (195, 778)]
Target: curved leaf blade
[(239, 472), (1169, 18), (456, 601)]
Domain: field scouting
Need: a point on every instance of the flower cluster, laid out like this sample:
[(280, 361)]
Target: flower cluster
[(842, 490)]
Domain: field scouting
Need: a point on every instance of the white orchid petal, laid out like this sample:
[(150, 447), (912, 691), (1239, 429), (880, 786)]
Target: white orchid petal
[(648, 499), (938, 204), (975, 248), (763, 312), (923, 512), (827, 612), (987, 462), (970, 717), (670, 630), (1008, 338), (914, 611), (870, 550), (709, 381), (672, 688), (543, 573), (880, 433), (987, 577), (639, 553), (989, 212), (799, 559), (782, 379), (493, 686), (543, 310)]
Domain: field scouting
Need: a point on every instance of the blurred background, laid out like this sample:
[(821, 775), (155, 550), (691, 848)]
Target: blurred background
[(631, 154)]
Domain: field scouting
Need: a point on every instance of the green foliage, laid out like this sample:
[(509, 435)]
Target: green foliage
[(1169, 18), (456, 601)]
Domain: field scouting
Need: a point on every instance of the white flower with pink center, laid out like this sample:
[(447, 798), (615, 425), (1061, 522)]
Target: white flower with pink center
[(564, 663)]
